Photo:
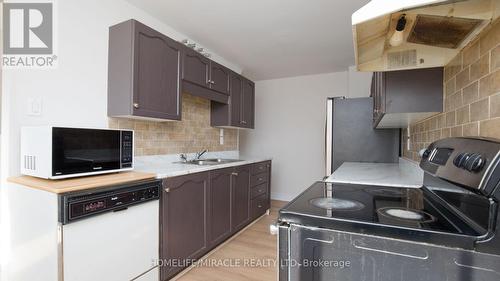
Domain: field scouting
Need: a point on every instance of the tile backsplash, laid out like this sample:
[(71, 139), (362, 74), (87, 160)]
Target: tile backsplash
[(190, 135), (471, 97)]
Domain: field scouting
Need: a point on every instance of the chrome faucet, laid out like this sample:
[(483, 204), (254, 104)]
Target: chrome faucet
[(199, 154), (183, 157)]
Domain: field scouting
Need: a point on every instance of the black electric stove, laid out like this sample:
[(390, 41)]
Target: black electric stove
[(449, 227), (404, 213)]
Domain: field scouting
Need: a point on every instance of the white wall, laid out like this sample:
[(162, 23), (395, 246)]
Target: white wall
[(290, 124), (74, 93), (359, 83)]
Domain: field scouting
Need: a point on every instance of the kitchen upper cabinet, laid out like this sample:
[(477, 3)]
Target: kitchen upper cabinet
[(220, 205), (240, 111), (196, 68), (248, 104), (219, 78), (403, 97), (183, 220), (204, 78), (143, 73), (241, 198)]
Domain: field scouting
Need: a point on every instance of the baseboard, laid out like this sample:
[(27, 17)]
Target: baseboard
[(282, 196)]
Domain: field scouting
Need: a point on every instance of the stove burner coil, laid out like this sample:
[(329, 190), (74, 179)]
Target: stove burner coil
[(406, 214), (337, 204)]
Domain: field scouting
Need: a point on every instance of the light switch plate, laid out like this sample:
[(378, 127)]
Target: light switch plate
[(35, 106)]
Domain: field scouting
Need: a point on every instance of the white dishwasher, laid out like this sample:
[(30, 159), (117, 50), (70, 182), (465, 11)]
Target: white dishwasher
[(111, 234)]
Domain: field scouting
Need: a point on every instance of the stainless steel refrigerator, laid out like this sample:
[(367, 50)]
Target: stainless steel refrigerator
[(350, 136)]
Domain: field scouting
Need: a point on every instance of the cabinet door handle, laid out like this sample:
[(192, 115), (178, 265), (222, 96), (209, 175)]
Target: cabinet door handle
[(136, 105), (260, 179), (259, 206), (212, 82), (234, 174), (167, 189), (243, 122)]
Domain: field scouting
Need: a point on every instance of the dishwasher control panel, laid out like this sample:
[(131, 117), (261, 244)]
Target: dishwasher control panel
[(80, 205)]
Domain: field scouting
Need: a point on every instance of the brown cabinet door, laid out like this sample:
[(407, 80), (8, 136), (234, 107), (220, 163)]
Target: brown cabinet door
[(248, 104), (220, 205), (183, 220), (196, 68), (219, 78), (157, 71), (235, 99), (241, 198)]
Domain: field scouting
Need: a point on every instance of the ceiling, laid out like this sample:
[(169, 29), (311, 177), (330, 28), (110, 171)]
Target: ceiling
[(267, 38)]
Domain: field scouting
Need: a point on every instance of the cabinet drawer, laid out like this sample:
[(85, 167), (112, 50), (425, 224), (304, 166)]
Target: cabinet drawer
[(259, 168), (259, 179), (258, 205), (258, 190)]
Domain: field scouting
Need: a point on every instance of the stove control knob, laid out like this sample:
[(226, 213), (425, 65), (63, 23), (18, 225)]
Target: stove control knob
[(460, 160), (475, 163), (424, 153), (468, 162)]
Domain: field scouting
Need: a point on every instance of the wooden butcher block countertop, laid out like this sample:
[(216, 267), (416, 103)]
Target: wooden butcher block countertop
[(81, 183)]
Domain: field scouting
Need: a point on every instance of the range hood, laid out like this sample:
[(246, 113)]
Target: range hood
[(429, 32)]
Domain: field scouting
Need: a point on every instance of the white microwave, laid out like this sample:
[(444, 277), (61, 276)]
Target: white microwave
[(62, 152)]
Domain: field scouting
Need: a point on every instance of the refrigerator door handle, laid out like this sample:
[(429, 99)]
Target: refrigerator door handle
[(328, 137)]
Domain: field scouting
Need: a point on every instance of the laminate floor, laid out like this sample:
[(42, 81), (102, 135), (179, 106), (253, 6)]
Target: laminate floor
[(251, 255)]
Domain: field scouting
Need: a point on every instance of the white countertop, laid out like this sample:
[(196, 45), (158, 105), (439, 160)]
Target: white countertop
[(165, 166), (402, 174)]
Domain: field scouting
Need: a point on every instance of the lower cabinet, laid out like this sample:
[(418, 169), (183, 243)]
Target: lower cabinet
[(241, 196), (200, 211), (220, 205), (183, 222), (260, 183)]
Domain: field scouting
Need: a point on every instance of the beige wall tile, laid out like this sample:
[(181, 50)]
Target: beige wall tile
[(463, 115), (462, 78), (471, 53), (490, 128), (491, 38), (490, 84), (450, 119), (456, 100), (450, 87), (471, 129), (479, 110), (453, 67), (456, 131), (480, 68), (441, 121), (470, 93), (495, 58), (495, 106), (434, 135), (446, 133), (192, 134)]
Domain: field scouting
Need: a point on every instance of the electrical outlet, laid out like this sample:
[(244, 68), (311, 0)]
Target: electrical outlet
[(221, 136), (35, 106)]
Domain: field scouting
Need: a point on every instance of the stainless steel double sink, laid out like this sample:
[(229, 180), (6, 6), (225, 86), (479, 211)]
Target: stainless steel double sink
[(208, 162)]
